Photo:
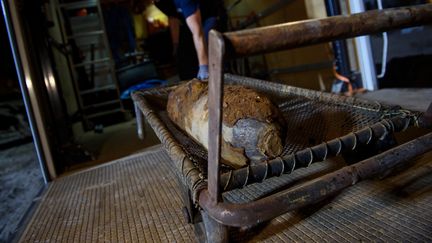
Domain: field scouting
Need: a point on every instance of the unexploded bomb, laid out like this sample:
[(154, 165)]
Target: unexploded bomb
[(251, 126)]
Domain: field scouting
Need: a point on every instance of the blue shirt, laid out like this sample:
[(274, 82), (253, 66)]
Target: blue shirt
[(186, 7), (172, 8)]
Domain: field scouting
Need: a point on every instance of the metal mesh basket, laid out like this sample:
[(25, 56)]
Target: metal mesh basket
[(312, 118)]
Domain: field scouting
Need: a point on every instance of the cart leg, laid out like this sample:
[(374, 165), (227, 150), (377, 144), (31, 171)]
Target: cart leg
[(215, 232), (140, 122)]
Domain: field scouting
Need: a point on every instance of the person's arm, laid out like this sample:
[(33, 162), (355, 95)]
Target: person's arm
[(194, 23)]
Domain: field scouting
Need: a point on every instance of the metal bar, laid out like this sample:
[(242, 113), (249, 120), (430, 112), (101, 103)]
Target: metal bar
[(364, 52), (216, 52), (308, 32), (326, 97), (304, 158), (191, 176), (92, 66), (313, 191), (139, 121), (215, 232), (285, 36), (340, 50), (63, 30)]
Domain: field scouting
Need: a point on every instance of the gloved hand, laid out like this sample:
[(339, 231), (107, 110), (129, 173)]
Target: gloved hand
[(203, 73)]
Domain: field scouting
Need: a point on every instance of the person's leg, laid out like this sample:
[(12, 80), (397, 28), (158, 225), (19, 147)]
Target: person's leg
[(187, 62), (209, 23)]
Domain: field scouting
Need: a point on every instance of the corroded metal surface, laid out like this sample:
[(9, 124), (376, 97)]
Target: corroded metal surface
[(342, 122), (302, 33), (216, 52), (189, 174), (140, 122), (365, 113), (304, 158), (395, 209), (292, 35), (274, 38), (316, 190), (251, 126)]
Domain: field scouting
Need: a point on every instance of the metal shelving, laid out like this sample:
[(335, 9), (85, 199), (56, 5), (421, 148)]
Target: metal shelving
[(90, 60)]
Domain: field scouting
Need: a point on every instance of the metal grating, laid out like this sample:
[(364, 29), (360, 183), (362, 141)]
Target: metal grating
[(309, 122), (396, 209), (135, 199), (311, 117), (256, 191)]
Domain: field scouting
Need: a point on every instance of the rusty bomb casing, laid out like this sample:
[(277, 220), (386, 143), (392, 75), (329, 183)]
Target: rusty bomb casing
[(251, 127)]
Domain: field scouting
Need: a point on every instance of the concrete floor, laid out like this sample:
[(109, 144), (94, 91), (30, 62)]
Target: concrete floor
[(20, 183), (411, 99), (112, 143)]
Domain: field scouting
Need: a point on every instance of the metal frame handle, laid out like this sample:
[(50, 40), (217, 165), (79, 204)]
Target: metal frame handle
[(269, 39)]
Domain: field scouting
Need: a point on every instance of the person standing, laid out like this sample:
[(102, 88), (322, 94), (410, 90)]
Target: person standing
[(190, 22)]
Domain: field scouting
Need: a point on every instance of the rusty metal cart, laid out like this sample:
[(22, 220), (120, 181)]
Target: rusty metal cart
[(319, 126)]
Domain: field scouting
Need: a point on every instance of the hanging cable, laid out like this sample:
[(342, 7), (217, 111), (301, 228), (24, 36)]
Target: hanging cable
[(385, 47)]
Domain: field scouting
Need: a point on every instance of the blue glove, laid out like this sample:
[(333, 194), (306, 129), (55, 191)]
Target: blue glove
[(203, 73)]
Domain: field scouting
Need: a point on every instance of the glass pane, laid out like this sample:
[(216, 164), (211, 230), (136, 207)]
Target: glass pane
[(21, 178)]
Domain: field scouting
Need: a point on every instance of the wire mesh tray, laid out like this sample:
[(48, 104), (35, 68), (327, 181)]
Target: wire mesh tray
[(312, 118)]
